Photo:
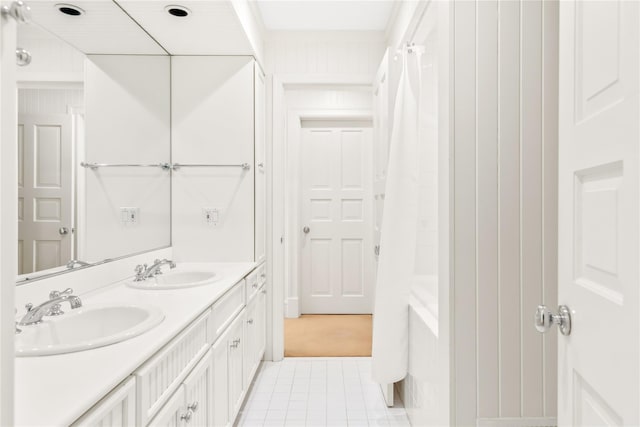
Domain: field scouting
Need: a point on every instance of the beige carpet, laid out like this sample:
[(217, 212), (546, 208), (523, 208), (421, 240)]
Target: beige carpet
[(328, 335)]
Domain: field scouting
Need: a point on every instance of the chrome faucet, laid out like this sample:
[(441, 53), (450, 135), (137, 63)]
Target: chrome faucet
[(76, 263), (143, 272), (50, 308)]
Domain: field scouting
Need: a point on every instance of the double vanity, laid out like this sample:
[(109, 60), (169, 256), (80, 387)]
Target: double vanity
[(176, 348), (154, 152)]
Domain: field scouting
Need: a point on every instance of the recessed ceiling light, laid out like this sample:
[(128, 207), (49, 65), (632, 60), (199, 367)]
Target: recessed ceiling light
[(179, 11), (69, 9)]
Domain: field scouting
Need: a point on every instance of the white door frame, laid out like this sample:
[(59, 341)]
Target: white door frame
[(292, 222), (8, 212), (279, 237)]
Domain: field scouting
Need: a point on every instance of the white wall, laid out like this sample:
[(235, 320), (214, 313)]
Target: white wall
[(336, 52), (213, 123), (8, 213), (505, 209), (127, 103), (49, 101)]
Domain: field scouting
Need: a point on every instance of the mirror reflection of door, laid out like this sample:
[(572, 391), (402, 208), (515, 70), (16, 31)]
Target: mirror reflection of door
[(45, 191)]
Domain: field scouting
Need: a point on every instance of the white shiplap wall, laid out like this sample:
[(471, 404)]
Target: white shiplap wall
[(49, 101), (335, 52), (505, 210)]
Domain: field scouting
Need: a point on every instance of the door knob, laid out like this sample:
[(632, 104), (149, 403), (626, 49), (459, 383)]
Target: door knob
[(63, 231), (18, 11), (545, 319), (376, 250), (23, 57), (306, 230)]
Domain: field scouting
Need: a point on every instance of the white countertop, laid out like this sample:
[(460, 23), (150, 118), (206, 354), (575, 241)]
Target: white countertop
[(57, 390)]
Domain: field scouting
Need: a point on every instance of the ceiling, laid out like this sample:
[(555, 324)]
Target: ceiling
[(103, 28), (213, 27), (327, 15)]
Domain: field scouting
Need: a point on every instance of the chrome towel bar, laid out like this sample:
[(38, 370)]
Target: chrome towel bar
[(176, 166), (163, 166)]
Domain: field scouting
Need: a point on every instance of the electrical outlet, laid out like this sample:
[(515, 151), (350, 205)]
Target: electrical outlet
[(130, 216), (211, 216)]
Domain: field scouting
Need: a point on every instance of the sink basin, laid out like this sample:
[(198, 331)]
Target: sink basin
[(86, 328), (177, 278)]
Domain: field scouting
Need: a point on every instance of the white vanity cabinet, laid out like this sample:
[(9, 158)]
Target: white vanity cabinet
[(255, 334), (227, 373), (191, 404), (164, 373), (118, 408), (200, 377)]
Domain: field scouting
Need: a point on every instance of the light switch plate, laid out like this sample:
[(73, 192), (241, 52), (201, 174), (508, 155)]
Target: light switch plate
[(212, 216), (130, 216)]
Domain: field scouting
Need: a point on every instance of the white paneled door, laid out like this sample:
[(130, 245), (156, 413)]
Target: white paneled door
[(337, 251), (599, 281), (45, 231)]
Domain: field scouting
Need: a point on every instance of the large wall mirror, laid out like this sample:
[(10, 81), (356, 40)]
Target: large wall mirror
[(93, 139)]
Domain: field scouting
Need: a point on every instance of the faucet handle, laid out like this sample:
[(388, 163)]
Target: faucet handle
[(57, 294), (28, 306)]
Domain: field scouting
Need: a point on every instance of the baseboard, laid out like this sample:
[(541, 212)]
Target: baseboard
[(518, 422), (291, 309)]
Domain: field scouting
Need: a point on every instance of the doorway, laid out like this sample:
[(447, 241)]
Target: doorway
[(330, 217)]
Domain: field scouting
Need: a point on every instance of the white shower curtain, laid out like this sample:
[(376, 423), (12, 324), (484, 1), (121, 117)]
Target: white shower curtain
[(398, 237)]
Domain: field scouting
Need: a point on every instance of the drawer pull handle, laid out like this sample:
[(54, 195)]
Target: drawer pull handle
[(250, 321), (255, 285), (186, 417), (193, 407), (263, 275)]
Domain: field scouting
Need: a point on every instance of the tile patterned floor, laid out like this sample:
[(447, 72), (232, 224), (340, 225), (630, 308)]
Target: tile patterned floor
[(315, 391)]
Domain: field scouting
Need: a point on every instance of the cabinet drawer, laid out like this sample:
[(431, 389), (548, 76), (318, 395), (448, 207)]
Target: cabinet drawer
[(161, 375), (252, 285), (226, 309), (116, 409)]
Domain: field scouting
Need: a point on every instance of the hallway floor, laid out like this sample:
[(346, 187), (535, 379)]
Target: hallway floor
[(318, 391), (328, 335)]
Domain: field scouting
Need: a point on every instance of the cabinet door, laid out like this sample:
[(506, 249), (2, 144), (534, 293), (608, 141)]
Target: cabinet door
[(171, 414), (250, 345), (199, 392), (236, 345), (261, 324), (220, 381)]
